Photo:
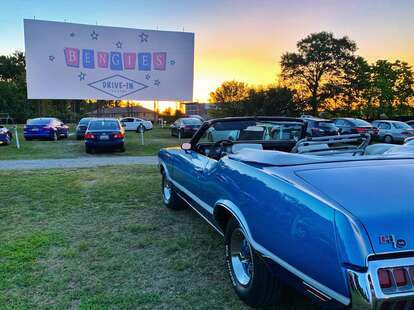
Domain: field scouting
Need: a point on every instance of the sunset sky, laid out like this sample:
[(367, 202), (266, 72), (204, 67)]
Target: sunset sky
[(241, 40)]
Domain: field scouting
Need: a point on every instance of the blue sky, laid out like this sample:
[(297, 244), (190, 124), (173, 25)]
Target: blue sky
[(240, 40)]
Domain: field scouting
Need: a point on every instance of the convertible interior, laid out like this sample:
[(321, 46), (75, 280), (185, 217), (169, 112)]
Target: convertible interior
[(223, 138), (289, 136)]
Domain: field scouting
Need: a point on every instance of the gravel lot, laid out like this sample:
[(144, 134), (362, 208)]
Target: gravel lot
[(80, 162)]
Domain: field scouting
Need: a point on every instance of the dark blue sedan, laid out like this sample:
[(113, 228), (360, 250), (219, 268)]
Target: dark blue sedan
[(45, 128), (104, 134)]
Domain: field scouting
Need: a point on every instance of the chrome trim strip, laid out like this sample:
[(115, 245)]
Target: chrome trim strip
[(193, 197), (199, 213), (319, 286), (315, 292)]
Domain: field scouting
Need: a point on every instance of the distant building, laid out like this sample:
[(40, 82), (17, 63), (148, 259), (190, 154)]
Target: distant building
[(119, 112), (195, 108)]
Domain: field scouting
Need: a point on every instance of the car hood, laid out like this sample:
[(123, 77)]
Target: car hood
[(378, 194)]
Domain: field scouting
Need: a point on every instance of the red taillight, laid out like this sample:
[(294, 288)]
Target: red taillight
[(412, 274), (360, 129), (89, 136), (384, 276), (119, 136), (315, 130), (405, 133), (400, 276)]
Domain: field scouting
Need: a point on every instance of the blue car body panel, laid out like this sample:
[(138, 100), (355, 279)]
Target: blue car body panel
[(45, 130), (314, 220)]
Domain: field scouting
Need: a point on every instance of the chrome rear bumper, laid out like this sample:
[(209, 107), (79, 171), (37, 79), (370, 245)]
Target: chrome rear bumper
[(366, 292)]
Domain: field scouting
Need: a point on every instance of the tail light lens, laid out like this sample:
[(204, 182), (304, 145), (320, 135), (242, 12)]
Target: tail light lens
[(384, 276), (360, 129), (89, 136), (119, 135), (405, 133), (400, 276)]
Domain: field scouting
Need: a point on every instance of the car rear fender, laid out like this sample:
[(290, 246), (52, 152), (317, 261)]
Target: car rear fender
[(354, 245)]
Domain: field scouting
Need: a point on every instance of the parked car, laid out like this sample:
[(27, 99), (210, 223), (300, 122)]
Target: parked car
[(354, 125), (133, 123), (318, 127), (334, 226), (393, 131), (411, 123), (5, 135), (185, 127), (82, 126), (45, 128), (104, 134)]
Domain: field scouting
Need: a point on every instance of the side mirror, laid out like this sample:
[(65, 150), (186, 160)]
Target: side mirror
[(186, 146)]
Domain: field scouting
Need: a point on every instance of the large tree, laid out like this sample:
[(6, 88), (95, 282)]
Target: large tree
[(318, 67), (231, 91)]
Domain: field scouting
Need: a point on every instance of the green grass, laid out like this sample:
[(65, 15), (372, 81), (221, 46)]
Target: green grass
[(94, 239), (70, 148)]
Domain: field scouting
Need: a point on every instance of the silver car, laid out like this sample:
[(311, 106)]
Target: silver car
[(393, 131)]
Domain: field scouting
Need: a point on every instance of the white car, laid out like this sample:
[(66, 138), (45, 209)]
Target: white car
[(133, 123)]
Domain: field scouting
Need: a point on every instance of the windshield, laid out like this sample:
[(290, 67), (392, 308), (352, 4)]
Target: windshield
[(401, 125), (251, 130), (191, 121), (103, 125), (38, 121)]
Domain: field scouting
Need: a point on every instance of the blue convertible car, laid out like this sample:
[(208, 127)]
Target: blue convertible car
[(328, 216)]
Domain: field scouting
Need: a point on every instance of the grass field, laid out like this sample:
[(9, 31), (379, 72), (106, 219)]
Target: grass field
[(101, 239), (70, 148)]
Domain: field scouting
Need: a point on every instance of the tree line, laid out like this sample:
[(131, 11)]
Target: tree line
[(324, 76)]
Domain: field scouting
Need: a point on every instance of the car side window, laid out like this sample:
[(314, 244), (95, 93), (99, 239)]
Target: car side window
[(339, 122), (384, 126)]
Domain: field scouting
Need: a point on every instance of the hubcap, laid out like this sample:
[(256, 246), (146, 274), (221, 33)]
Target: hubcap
[(241, 257), (166, 190)]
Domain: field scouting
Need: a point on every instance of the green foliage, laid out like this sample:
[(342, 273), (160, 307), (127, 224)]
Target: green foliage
[(318, 66), (231, 91), (272, 101)]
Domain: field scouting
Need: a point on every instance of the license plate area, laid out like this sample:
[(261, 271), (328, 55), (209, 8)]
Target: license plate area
[(104, 137)]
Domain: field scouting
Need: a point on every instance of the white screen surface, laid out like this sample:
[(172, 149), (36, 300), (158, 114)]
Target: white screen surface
[(74, 61)]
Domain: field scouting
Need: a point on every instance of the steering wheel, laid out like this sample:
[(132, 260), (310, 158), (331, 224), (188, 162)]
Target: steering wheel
[(217, 149)]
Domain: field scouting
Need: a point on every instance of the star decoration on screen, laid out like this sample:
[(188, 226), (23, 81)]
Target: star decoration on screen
[(81, 76), (94, 35), (157, 82), (143, 37), (172, 62), (147, 76), (72, 34), (51, 58), (118, 44)]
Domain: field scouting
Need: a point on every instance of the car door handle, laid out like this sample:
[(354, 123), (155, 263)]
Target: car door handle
[(198, 169)]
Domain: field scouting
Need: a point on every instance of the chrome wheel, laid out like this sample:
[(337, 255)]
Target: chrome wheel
[(166, 190), (241, 257)]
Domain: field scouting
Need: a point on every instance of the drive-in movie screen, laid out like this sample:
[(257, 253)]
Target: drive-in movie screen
[(219, 154)]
